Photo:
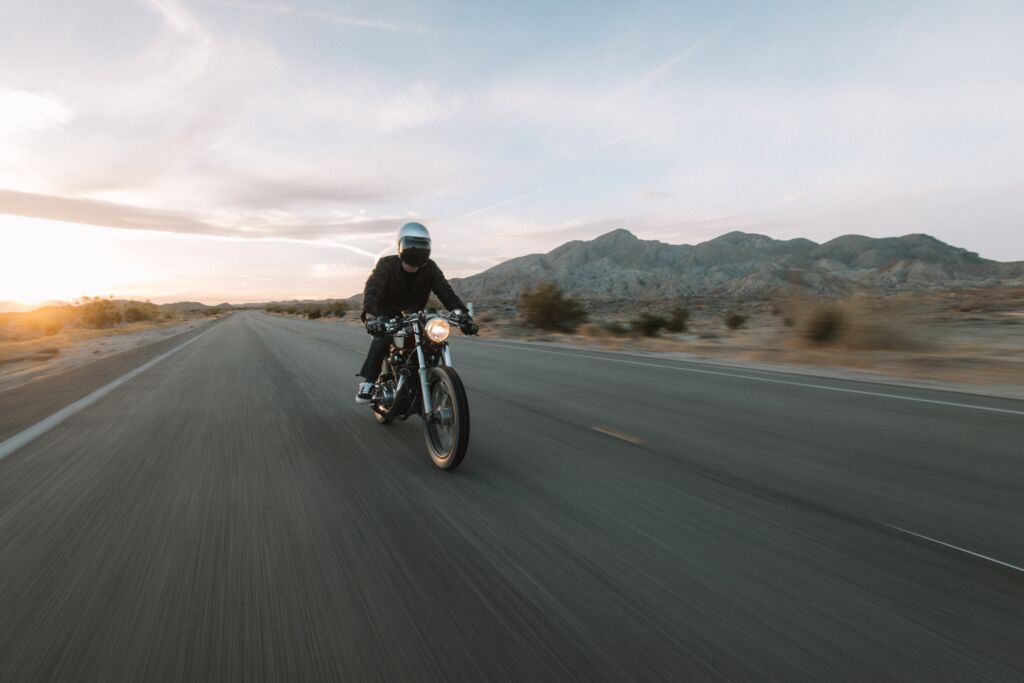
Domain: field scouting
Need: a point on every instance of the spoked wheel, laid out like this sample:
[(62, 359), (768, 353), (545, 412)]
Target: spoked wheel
[(448, 432)]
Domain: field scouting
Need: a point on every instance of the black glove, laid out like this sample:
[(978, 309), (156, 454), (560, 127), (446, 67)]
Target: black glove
[(375, 326), (467, 325)]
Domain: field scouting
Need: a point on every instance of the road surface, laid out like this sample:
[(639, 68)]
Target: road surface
[(227, 513)]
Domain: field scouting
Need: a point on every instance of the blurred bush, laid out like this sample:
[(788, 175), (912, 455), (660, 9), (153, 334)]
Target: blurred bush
[(336, 309), (97, 312), (678, 320), (592, 330), (648, 325), (135, 311), (735, 321), (854, 324), (547, 308)]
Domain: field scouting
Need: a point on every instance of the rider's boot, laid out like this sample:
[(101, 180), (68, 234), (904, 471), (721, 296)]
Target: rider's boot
[(365, 393)]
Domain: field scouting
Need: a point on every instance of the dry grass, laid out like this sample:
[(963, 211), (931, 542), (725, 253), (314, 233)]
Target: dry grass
[(48, 346)]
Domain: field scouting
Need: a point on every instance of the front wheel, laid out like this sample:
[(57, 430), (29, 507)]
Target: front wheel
[(447, 432)]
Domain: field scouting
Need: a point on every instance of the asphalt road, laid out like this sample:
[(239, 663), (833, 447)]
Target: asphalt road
[(230, 514)]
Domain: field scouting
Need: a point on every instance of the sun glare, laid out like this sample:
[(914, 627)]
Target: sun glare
[(44, 261)]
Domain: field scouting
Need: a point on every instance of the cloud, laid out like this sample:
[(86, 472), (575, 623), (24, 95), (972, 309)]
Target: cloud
[(22, 111), (329, 17), (421, 104), (123, 216), (489, 207), (179, 19), (654, 195), (651, 76), (287, 191), (106, 214)]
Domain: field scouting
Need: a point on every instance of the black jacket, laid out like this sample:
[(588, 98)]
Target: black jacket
[(386, 293)]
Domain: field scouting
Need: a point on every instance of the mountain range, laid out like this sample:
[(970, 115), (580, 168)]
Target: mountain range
[(620, 266)]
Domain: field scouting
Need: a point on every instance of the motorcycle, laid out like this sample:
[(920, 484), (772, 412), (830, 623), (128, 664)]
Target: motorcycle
[(417, 378)]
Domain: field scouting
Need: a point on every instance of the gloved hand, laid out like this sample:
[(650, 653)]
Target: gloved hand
[(467, 325), (375, 326)]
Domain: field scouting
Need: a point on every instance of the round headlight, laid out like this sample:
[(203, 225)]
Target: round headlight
[(438, 329)]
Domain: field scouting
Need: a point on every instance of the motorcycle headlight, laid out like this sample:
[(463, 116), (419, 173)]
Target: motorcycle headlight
[(438, 329)]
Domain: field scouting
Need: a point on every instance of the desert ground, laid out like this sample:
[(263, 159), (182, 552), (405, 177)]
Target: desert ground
[(974, 339)]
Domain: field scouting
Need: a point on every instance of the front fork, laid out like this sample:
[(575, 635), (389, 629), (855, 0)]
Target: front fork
[(428, 406)]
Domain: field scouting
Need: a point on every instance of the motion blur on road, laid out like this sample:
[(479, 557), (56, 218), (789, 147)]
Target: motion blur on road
[(230, 514)]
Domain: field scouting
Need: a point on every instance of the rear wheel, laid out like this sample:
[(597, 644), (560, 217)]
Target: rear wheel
[(447, 433)]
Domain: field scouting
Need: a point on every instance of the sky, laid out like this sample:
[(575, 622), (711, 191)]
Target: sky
[(240, 150)]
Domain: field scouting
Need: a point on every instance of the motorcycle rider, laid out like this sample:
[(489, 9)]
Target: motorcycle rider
[(403, 283)]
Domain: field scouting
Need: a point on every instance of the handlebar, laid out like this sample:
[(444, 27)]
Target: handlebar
[(393, 325)]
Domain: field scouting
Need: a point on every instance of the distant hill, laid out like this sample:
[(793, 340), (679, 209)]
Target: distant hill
[(618, 265)]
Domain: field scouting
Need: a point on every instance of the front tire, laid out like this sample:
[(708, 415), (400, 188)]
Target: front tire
[(447, 434)]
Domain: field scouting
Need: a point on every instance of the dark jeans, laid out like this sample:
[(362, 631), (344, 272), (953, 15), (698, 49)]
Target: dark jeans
[(376, 355)]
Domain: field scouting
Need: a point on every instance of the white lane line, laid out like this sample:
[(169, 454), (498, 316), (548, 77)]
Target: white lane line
[(766, 379), (956, 547), (35, 431), (621, 435)]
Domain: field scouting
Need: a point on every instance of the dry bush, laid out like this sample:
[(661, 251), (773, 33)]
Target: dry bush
[(97, 312), (135, 311), (592, 330), (854, 324), (548, 308), (678, 320), (336, 309), (616, 329), (735, 321), (485, 317), (648, 325)]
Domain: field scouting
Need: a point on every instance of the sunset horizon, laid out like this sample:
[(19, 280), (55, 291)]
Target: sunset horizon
[(178, 149)]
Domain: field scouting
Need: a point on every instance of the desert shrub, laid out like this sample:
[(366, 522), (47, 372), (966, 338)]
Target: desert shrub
[(592, 330), (98, 312), (52, 328), (677, 321), (548, 308), (485, 317), (314, 314), (824, 326), (336, 309), (735, 321), (855, 324), (616, 329), (136, 312), (648, 325)]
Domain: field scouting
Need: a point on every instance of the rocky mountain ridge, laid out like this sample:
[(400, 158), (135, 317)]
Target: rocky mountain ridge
[(618, 265)]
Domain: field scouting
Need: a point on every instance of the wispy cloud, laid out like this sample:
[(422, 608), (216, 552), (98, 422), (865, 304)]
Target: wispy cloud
[(422, 103), (490, 207), (178, 18), (124, 216), (23, 111), (653, 75), (330, 17)]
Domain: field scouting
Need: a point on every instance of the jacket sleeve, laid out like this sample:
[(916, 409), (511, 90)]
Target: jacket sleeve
[(444, 291), (374, 290)]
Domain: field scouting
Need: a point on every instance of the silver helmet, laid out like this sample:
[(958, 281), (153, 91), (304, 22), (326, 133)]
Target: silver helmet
[(414, 244)]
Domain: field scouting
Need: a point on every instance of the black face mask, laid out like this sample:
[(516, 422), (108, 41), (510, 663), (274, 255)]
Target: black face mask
[(414, 251)]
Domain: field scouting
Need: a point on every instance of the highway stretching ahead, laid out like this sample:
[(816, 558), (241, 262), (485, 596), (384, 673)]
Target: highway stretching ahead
[(228, 513)]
